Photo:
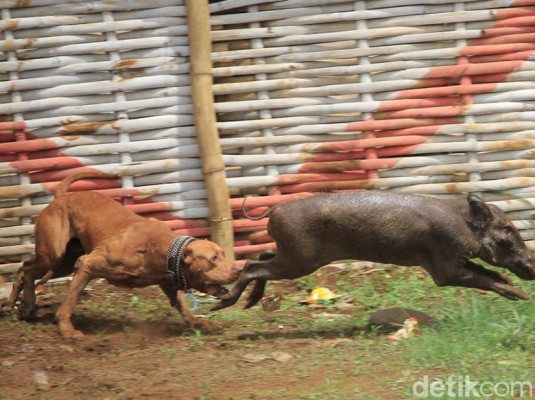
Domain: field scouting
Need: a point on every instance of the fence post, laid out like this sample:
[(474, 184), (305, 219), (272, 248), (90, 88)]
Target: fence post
[(213, 167)]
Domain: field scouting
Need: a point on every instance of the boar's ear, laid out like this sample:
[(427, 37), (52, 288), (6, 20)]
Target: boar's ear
[(479, 211)]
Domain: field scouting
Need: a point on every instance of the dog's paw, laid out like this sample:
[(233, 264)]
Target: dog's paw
[(71, 333), (5, 305), (4, 310), (201, 324), (25, 315)]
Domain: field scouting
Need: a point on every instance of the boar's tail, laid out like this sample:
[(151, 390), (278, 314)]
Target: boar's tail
[(263, 215), (61, 189)]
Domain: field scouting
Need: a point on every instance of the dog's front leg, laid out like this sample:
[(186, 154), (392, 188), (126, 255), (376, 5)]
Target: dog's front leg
[(81, 278), (187, 315), (178, 300)]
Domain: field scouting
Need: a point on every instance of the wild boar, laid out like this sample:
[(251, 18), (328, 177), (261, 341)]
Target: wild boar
[(441, 235)]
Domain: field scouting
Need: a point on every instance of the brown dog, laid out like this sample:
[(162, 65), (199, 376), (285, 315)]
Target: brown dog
[(94, 236)]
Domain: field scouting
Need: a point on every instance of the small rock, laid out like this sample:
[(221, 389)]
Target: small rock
[(338, 342), (5, 290), (271, 302), (281, 356), (26, 348), (40, 380), (330, 316), (66, 347), (46, 299), (255, 358), (8, 364), (391, 319)]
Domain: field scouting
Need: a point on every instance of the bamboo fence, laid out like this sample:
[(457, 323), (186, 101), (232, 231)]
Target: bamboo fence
[(413, 96)]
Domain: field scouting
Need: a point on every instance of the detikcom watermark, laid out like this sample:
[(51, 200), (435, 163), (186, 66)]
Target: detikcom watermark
[(463, 386)]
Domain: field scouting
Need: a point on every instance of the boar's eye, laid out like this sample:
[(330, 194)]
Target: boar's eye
[(507, 229)]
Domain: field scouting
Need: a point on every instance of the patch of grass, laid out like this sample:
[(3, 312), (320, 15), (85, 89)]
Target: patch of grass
[(137, 305), (395, 287), (480, 338), (26, 330), (308, 282), (486, 337), (147, 310)]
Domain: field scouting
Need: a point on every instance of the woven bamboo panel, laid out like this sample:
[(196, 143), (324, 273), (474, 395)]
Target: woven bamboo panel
[(412, 96), (311, 95), (96, 85)]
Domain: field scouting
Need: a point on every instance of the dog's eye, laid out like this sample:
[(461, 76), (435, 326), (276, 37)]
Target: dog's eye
[(214, 259)]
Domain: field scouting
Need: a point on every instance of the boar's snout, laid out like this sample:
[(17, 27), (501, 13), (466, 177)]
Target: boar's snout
[(503, 245), (523, 268), (526, 271)]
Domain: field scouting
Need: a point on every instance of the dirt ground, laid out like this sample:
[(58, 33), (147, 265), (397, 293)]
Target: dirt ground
[(137, 347)]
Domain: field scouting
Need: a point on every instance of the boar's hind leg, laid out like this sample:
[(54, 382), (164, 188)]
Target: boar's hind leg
[(476, 276), (260, 285), (257, 293), (254, 270)]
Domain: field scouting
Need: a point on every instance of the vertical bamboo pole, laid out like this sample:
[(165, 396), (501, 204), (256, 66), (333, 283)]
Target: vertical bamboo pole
[(213, 167)]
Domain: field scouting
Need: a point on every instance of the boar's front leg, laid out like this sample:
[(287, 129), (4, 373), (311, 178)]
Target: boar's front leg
[(479, 269), (473, 275)]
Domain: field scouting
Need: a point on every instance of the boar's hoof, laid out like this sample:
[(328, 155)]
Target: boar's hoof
[(224, 302), (504, 279), (256, 294), (511, 292)]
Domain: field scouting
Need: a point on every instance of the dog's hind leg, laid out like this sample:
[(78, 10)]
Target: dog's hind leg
[(24, 281), (9, 303), (51, 238), (31, 270), (56, 264), (66, 266)]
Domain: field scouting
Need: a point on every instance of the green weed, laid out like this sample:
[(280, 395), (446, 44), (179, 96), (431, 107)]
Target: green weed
[(196, 341), (206, 392)]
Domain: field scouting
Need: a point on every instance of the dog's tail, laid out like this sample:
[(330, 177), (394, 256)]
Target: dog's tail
[(61, 189), (263, 215)]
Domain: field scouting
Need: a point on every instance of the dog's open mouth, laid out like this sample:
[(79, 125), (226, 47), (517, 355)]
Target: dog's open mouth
[(216, 290)]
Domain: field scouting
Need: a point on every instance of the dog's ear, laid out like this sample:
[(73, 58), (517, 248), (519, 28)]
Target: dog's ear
[(187, 256)]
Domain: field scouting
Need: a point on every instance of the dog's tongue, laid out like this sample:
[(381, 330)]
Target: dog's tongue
[(216, 290)]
